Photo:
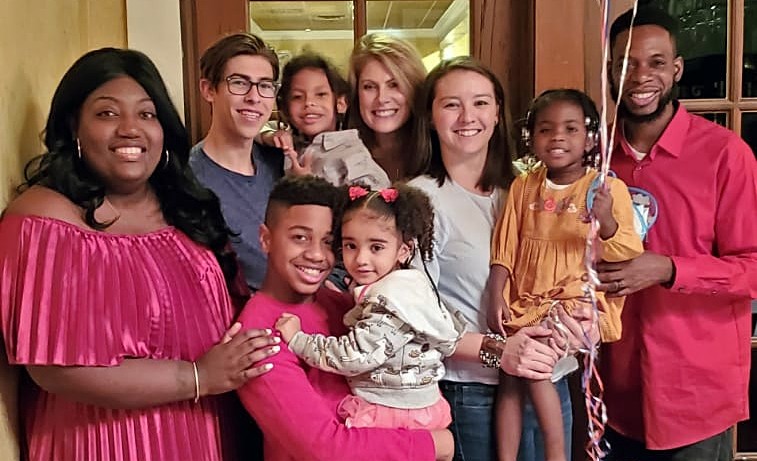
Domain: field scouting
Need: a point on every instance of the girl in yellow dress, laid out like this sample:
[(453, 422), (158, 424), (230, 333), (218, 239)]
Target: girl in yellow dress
[(538, 250)]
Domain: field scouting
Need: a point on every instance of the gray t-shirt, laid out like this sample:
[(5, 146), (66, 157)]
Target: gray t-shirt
[(463, 226), (243, 202)]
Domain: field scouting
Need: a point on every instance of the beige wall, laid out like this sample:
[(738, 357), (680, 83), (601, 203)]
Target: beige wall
[(40, 40), (154, 28)]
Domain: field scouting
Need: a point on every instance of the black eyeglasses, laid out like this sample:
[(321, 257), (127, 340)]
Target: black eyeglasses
[(241, 86)]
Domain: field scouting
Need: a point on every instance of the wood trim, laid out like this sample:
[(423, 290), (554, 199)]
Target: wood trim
[(202, 23), (502, 38), (360, 21), (717, 105), (736, 49), (191, 68), (555, 63)]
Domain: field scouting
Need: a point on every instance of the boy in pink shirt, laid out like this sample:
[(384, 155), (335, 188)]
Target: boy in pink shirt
[(295, 405)]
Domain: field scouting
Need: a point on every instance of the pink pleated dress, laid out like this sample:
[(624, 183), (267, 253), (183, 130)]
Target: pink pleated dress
[(75, 297)]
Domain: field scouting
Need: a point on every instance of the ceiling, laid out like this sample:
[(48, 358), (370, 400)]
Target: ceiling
[(337, 15)]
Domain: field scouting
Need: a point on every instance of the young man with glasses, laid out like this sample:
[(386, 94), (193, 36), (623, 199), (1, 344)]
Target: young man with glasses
[(239, 74)]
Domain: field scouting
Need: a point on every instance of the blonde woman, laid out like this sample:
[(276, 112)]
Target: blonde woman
[(385, 74)]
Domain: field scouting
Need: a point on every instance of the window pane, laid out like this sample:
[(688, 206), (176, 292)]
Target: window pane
[(721, 118), (749, 129), (749, 82), (294, 27), (702, 42), (438, 29)]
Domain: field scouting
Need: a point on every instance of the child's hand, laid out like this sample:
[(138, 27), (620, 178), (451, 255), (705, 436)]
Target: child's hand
[(279, 138), (288, 325), (602, 210), (497, 313), (282, 139), (300, 167)]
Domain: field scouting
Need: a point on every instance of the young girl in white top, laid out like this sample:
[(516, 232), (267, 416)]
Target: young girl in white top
[(399, 331), (313, 100)]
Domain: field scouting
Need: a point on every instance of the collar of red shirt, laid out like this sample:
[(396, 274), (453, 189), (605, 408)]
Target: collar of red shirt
[(672, 139)]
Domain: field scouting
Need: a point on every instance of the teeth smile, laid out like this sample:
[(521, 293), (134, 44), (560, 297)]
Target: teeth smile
[(128, 150), (385, 112), (467, 133), (250, 114), (310, 270)]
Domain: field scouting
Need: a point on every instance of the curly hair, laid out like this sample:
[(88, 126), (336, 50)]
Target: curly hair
[(185, 204), (577, 97), (309, 60), (291, 191), (411, 211)]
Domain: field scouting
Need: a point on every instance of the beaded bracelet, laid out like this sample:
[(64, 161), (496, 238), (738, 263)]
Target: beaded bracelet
[(491, 359)]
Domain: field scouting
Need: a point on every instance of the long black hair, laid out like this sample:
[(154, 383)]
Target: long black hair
[(185, 204)]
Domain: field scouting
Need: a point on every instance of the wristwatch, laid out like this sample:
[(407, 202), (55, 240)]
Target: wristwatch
[(492, 348)]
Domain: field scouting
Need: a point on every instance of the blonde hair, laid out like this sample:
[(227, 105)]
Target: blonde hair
[(404, 63)]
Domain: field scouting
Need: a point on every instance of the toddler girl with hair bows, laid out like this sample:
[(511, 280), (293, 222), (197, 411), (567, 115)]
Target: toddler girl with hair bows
[(399, 330)]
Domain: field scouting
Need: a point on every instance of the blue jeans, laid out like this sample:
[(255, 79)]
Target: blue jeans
[(472, 419), (473, 422), (531, 442)]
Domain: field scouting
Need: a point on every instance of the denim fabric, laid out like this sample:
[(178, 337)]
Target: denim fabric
[(531, 441), (715, 448), (473, 422), (472, 419)]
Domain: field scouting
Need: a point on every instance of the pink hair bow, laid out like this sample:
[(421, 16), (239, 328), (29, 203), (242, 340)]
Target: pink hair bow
[(389, 195), (356, 192)]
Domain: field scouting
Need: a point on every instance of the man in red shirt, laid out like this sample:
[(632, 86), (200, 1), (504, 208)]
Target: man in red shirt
[(677, 381)]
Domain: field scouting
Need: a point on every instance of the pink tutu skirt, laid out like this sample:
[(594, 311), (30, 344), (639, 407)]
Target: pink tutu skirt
[(356, 412)]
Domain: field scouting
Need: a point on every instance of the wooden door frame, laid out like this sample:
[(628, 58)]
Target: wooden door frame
[(501, 38)]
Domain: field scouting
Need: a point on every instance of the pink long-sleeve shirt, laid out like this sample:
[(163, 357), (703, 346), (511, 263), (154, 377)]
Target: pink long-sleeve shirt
[(295, 404), (680, 373)]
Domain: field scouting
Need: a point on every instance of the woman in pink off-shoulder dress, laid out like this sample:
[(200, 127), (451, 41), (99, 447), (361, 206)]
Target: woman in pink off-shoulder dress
[(114, 268)]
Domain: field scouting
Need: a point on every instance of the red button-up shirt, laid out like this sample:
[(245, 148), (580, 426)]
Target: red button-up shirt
[(680, 373)]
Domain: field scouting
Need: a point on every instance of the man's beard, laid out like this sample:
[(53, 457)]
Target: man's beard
[(625, 114)]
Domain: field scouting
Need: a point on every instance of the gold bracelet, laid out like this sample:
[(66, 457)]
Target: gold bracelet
[(197, 381)]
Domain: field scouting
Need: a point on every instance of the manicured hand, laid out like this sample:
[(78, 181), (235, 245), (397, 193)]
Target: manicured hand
[(231, 362), (526, 357)]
